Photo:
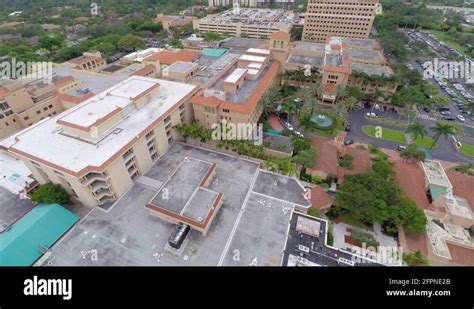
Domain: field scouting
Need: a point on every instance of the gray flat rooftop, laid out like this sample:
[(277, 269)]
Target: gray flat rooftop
[(209, 67), (313, 61), (320, 47), (367, 43), (334, 60), (127, 234), (372, 69), (243, 43), (242, 95), (178, 190), (94, 81), (281, 187), (12, 207), (200, 204), (181, 66), (364, 54)]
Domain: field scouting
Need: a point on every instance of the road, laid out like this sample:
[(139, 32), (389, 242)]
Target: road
[(446, 150)]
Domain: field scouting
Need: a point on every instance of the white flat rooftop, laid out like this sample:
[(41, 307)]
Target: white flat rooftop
[(235, 75), (252, 58), (435, 173), (254, 65), (45, 140), (259, 51)]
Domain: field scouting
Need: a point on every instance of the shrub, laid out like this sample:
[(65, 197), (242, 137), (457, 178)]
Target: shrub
[(50, 194)]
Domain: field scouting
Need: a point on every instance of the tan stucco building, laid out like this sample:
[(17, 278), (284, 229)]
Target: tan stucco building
[(344, 18)]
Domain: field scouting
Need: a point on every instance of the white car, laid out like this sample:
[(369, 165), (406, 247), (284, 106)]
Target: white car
[(461, 118), (299, 134), (373, 115)]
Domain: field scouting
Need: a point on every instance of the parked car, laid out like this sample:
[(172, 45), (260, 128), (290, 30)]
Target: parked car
[(348, 128), (348, 142), (426, 109), (461, 118), (373, 115), (401, 147), (449, 118), (446, 113)]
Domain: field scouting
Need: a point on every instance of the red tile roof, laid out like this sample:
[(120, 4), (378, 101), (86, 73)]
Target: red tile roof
[(362, 163), (463, 185), (280, 35), (461, 255), (145, 70), (320, 199), (170, 57), (331, 68), (411, 178), (3, 91), (327, 159)]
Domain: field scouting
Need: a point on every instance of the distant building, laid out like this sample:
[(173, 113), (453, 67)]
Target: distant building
[(252, 3), (172, 21), (347, 19), (244, 22), (89, 61), (23, 105)]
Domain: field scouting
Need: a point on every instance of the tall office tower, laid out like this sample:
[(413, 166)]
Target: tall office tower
[(344, 18)]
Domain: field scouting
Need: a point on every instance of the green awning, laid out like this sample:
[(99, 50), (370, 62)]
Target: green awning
[(40, 228)]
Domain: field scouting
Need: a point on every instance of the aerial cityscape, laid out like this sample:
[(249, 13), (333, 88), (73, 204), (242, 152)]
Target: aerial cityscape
[(237, 133)]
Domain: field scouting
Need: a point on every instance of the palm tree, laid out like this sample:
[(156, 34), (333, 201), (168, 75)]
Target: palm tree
[(442, 129), (350, 102), (417, 129), (340, 108), (305, 122), (291, 108)]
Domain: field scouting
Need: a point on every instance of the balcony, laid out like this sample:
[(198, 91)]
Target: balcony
[(103, 192), (98, 184), (129, 154), (106, 199), (93, 176)]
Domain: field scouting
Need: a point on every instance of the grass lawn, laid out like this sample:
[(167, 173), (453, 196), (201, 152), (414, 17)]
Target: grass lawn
[(425, 142), (443, 36), (348, 219), (332, 132), (389, 135), (392, 122), (467, 150)]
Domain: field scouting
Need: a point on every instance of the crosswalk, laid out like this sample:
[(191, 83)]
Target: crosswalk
[(426, 117)]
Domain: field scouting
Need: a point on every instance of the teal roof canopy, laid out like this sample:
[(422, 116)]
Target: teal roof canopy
[(40, 228)]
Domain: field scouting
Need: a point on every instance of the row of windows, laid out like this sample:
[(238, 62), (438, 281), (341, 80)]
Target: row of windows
[(343, 3)]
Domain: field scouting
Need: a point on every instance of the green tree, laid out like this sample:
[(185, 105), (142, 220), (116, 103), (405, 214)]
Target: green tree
[(415, 259), (304, 122), (131, 42), (305, 158), (442, 129), (417, 129), (50, 194), (413, 153)]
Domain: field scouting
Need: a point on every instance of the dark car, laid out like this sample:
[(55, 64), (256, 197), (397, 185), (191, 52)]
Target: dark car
[(348, 128), (449, 118), (426, 109), (348, 142)]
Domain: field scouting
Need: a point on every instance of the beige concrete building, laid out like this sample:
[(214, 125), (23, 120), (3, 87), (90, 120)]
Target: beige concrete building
[(344, 18), (97, 149), (89, 61), (173, 21), (341, 63), (252, 23), (233, 95), (22, 105)]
